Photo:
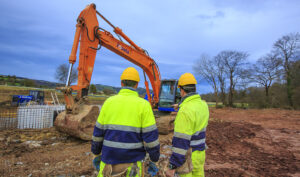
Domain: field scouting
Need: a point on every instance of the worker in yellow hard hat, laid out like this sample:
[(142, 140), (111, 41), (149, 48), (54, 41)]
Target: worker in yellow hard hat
[(188, 144), (125, 130)]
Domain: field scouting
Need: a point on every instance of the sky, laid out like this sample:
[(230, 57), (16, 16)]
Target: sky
[(37, 36)]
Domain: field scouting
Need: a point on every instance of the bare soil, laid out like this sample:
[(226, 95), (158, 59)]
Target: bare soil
[(253, 143), (241, 143)]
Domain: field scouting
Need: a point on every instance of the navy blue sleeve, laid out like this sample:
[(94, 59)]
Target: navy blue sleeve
[(150, 137), (180, 146), (97, 139)]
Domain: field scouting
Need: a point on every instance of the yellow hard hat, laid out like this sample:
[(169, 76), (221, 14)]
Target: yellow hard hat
[(186, 79), (130, 73)]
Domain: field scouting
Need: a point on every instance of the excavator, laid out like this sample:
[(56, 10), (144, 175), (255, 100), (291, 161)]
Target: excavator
[(79, 118)]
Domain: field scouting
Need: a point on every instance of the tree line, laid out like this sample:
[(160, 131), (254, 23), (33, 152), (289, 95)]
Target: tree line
[(272, 81), (14, 81)]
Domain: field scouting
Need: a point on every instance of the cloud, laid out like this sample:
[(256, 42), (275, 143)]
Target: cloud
[(218, 14)]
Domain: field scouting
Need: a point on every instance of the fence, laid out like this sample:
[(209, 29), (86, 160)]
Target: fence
[(8, 119), (33, 116)]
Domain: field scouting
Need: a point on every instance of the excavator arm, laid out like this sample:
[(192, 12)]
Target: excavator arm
[(90, 36), (79, 118)]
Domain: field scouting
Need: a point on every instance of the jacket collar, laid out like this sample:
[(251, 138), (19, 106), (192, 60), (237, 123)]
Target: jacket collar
[(188, 97), (128, 91), (130, 88)]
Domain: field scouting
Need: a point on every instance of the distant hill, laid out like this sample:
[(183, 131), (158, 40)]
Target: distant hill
[(22, 81), (101, 87), (27, 82)]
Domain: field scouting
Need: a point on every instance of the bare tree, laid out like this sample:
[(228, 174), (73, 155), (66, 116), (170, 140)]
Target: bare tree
[(243, 82), (265, 71), (61, 74), (205, 67), (221, 77), (287, 48), (233, 62)]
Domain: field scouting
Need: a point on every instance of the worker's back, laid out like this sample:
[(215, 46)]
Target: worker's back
[(125, 122), (126, 108), (197, 111), (189, 128), (188, 144)]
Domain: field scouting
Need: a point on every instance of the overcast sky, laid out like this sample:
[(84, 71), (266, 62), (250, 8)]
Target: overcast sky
[(37, 36)]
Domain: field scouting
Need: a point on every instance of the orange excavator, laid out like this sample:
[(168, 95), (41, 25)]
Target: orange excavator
[(79, 118)]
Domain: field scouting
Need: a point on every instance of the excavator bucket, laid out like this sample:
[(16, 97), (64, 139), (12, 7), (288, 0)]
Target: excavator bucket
[(79, 125)]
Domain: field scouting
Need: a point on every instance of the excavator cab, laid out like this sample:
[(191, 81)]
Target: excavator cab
[(169, 95)]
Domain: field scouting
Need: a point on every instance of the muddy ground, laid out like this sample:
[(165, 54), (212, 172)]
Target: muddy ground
[(241, 143)]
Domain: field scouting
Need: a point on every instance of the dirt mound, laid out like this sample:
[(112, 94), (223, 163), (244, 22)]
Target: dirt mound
[(239, 149), (244, 148)]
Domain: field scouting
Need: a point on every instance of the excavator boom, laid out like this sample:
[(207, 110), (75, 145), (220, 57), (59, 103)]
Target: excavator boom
[(79, 118), (91, 35)]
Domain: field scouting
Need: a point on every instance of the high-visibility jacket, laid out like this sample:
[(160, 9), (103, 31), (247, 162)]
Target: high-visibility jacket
[(189, 128), (125, 130)]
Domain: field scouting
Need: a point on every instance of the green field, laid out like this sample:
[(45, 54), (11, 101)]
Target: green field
[(6, 87), (237, 105)]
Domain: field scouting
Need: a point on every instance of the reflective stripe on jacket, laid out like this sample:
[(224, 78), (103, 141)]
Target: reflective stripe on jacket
[(190, 128), (125, 129)]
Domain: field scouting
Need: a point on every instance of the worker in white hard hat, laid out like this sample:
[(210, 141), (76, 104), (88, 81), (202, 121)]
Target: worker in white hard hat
[(125, 130), (188, 144)]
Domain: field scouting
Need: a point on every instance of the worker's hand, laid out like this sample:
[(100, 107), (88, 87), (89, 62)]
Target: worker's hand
[(170, 173), (175, 106), (96, 162)]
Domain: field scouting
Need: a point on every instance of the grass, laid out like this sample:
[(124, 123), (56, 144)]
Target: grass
[(98, 97), (236, 105), (241, 105), (14, 90), (6, 87), (212, 104), (7, 91)]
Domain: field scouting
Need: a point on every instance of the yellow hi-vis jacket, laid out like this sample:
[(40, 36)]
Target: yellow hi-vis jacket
[(125, 130), (189, 128)]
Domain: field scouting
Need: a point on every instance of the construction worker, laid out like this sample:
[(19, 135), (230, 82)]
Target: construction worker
[(125, 130), (189, 131)]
